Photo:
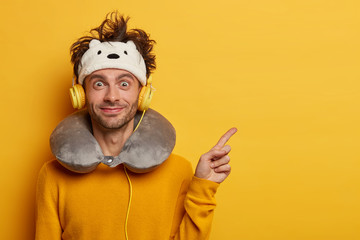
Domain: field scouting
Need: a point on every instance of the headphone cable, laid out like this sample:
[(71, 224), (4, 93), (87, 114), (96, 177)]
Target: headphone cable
[(128, 208), (142, 116), (130, 185)]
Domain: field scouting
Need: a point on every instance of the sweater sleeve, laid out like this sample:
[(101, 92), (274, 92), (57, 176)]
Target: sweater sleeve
[(47, 218), (198, 201)]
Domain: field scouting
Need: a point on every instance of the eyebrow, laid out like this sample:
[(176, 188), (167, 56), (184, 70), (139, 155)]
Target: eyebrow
[(118, 77), (126, 75), (96, 76)]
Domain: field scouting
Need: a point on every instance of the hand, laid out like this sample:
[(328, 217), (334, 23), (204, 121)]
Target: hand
[(214, 165)]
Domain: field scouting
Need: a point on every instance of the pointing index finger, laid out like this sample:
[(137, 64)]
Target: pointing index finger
[(225, 138)]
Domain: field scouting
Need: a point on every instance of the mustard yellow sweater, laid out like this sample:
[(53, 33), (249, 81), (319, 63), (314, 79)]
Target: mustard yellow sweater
[(167, 203)]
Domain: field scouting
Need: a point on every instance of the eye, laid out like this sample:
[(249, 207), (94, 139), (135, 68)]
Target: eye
[(98, 84), (99, 52), (124, 84), (125, 52)]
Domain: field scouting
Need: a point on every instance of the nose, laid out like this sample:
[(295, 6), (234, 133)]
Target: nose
[(112, 94), (113, 56)]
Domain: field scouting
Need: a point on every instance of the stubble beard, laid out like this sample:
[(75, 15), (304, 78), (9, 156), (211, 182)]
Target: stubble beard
[(121, 122)]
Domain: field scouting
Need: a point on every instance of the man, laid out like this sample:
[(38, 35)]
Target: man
[(89, 192)]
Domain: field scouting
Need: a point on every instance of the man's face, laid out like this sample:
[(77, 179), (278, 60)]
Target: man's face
[(112, 97)]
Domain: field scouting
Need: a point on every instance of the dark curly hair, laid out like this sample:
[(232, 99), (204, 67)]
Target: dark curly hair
[(112, 29)]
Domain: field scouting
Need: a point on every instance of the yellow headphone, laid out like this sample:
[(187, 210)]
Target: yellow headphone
[(77, 95)]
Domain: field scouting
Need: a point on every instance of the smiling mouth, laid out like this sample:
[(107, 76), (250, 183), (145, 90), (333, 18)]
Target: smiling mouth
[(111, 110)]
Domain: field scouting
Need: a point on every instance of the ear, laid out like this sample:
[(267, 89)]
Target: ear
[(131, 44), (93, 43)]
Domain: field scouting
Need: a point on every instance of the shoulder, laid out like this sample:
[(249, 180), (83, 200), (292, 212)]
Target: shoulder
[(45, 181), (176, 167), (51, 165), (53, 169), (179, 162)]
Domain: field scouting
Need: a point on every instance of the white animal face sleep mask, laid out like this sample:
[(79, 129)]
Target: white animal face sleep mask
[(76, 149), (118, 55)]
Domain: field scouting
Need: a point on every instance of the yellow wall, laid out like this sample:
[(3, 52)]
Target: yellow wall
[(286, 73)]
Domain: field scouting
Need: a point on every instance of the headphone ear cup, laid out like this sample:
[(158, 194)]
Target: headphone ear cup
[(145, 97), (77, 96)]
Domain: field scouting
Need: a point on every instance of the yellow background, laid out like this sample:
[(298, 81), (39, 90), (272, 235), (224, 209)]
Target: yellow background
[(286, 73)]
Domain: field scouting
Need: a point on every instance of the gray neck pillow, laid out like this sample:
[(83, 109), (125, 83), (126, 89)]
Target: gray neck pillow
[(75, 147)]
